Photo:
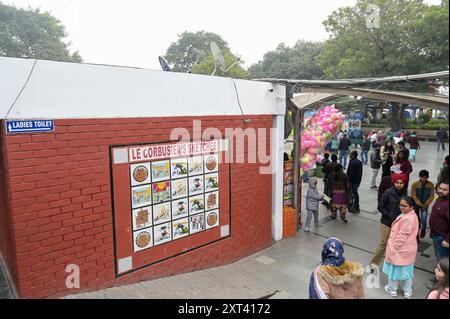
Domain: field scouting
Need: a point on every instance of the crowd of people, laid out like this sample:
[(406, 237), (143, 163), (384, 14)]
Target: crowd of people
[(404, 203)]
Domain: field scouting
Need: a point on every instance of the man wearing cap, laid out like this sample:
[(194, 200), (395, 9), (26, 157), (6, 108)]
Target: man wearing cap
[(389, 207)]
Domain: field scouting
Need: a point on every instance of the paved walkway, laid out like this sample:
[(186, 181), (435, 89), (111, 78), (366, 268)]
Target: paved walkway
[(5, 289), (283, 270)]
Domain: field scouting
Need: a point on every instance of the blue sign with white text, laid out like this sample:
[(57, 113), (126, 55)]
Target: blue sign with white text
[(29, 126)]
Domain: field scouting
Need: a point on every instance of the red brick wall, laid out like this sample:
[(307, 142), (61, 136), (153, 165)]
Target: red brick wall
[(61, 203), (6, 240)]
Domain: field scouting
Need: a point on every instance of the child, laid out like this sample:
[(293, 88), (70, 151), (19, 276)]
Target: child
[(312, 204), (440, 288), (401, 250), (422, 191), (413, 146)]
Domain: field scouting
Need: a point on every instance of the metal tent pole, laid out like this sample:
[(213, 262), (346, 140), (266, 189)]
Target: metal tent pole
[(297, 185)]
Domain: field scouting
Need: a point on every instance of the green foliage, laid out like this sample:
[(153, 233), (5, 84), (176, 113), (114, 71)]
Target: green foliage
[(425, 117), (430, 125), (299, 62), (432, 35), (191, 48), (412, 37), (33, 34), (206, 66)]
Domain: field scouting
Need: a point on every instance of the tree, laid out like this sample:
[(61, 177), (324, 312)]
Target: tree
[(33, 34), (410, 37), (299, 62), (191, 48), (206, 66)]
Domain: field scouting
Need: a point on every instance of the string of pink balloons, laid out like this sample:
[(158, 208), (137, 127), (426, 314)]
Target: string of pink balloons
[(317, 133)]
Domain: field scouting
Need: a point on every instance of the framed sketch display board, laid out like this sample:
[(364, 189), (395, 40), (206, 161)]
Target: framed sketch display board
[(168, 198)]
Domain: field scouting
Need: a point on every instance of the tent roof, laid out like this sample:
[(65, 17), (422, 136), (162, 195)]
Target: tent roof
[(316, 91), (317, 95), (49, 89), (350, 83)]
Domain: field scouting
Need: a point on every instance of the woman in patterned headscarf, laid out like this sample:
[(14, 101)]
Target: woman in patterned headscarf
[(334, 277)]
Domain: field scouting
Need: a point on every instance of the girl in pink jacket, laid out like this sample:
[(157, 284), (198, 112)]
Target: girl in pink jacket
[(401, 249)]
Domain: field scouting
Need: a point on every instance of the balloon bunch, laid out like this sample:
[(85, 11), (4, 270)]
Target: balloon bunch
[(317, 133)]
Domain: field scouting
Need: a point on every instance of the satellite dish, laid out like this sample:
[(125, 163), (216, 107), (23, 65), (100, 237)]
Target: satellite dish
[(219, 61), (164, 65)]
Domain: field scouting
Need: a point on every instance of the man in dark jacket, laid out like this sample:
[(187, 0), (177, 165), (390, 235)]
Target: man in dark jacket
[(344, 145), (328, 169), (442, 137), (325, 160), (354, 174), (375, 164), (365, 148), (444, 174), (385, 184), (389, 207), (439, 227)]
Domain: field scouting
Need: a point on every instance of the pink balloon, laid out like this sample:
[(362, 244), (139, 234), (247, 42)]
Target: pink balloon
[(306, 144)]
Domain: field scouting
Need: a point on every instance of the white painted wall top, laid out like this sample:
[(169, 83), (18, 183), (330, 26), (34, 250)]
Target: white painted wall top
[(58, 90)]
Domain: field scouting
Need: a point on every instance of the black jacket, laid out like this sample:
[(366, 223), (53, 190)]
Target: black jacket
[(344, 144), (375, 159), (329, 168), (354, 171), (388, 205), (442, 135), (366, 144)]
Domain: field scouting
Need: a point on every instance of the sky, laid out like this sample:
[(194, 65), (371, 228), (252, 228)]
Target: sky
[(135, 32)]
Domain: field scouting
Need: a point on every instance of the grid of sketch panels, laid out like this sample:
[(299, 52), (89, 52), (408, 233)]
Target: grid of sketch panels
[(174, 198)]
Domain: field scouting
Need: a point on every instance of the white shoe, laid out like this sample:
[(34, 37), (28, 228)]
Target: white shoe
[(307, 229), (407, 295), (393, 293)]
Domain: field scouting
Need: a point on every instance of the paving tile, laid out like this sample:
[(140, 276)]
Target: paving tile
[(265, 260)]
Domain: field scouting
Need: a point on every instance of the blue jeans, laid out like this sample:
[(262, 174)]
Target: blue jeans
[(364, 158), (305, 176), (343, 156), (423, 212), (354, 189), (441, 142), (439, 250)]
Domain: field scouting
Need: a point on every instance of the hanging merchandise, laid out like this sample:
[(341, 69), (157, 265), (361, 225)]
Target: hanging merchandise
[(317, 133)]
